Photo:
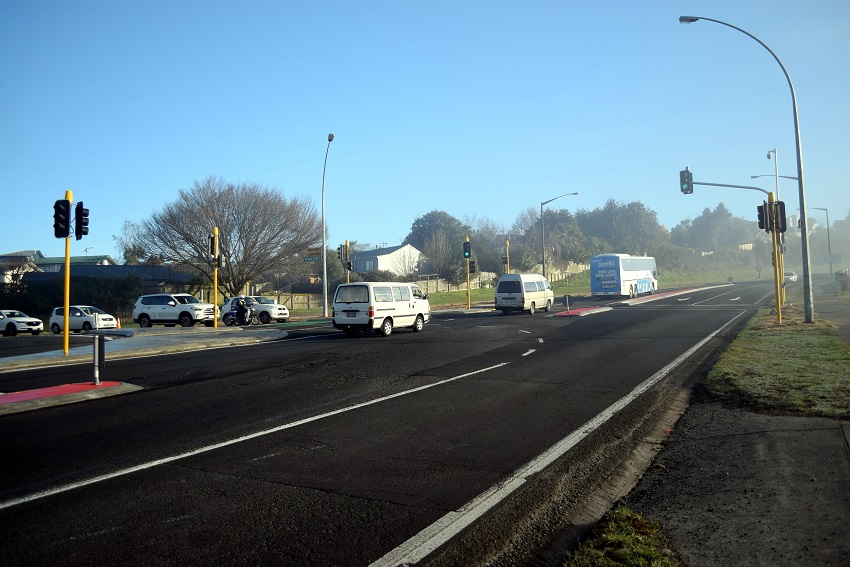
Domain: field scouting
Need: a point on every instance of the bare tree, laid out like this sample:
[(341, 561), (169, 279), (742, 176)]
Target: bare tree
[(259, 230), (438, 251)]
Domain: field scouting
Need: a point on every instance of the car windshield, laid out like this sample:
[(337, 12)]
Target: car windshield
[(184, 299), (14, 314), (90, 310), (263, 300)]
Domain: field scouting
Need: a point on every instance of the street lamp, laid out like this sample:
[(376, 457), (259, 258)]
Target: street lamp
[(543, 231), (324, 236), (808, 297)]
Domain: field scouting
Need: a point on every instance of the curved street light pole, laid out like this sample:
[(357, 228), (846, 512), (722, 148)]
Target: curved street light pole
[(808, 299), (543, 231), (324, 237)]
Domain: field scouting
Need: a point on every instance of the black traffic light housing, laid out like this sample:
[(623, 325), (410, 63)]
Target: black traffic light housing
[(81, 221), (686, 181), (472, 266), (339, 252), (467, 249), (62, 218), (780, 220), (760, 211)]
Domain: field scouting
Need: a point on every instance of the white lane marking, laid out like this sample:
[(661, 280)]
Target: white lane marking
[(213, 447), (529, 352), (432, 537), (540, 340), (526, 332), (735, 299), (683, 299)]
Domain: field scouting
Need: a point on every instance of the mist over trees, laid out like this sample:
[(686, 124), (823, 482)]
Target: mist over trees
[(714, 240)]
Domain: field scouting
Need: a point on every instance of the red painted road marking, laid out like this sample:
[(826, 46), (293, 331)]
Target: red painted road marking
[(52, 391)]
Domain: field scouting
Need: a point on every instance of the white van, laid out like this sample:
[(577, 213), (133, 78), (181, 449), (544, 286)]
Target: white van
[(379, 306), (524, 292)]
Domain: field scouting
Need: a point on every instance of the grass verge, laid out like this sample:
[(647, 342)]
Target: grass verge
[(624, 537), (791, 367)]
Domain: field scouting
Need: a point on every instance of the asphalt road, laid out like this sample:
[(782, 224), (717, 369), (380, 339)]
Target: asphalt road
[(321, 449)]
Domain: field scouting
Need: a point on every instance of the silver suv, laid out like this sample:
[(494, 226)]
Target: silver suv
[(267, 309), (169, 309)]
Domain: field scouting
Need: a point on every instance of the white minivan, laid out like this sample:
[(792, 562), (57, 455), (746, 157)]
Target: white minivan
[(379, 306), (524, 292)]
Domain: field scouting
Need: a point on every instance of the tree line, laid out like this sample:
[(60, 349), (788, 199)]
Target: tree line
[(263, 236)]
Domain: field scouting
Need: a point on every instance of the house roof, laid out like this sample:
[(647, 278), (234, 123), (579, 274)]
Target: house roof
[(172, 273), (53, 260), (379, 251)]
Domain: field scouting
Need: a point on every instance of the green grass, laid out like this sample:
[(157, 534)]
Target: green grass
[(791, 367), (622, 538)]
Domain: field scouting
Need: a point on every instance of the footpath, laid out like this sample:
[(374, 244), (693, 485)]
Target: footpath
[(734, 487)]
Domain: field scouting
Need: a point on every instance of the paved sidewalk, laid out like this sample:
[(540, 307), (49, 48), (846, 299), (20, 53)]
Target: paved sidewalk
[(733, 487)]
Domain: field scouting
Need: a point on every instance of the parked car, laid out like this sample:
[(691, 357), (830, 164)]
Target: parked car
[(170, 309), (81, 318), (13, 322), (266, 308), (790, 277)]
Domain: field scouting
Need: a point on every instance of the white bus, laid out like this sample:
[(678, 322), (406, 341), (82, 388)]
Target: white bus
[(622, 274)]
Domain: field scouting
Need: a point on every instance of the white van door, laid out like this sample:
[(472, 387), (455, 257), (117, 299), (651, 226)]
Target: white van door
[(404, 313)]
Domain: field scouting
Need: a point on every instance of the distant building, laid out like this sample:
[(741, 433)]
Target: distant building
[(402, 260)]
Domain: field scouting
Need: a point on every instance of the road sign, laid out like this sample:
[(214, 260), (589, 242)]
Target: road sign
[(312, 258)]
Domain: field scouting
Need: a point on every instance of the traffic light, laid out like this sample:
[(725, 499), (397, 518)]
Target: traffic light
[(339, 252), (348, 266), (760, 210), (61, 218), (467, 249), (81, 221), (472, 266), (686, 181), (779, 219), (213, 247)]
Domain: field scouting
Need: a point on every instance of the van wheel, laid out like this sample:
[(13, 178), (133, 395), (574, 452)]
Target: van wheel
[(419, 324), (386, 327), (531, 309), (548, 306)]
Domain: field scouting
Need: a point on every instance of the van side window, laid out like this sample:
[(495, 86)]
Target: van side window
[(383, 294), (418, 293), (540, 286), (401, 293), (530, 287)]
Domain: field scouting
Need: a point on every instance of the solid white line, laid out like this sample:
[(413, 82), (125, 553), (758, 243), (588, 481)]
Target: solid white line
[(198, 451), (432, 537), (529, 352)]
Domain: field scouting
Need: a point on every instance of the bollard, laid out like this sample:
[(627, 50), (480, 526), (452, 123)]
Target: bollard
[(567, 302), (99, 355)]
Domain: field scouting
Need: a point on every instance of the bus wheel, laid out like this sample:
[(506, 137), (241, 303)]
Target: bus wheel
[(651, 289)]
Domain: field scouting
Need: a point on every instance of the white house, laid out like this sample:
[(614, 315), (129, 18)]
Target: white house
[(401, 260)]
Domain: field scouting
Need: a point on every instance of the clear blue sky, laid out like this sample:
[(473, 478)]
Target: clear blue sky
[(478, 108)]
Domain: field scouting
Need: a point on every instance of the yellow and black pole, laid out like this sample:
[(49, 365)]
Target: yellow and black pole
[(467, 252), (770, 218), (214, 252), (346, 264), (69, 196)]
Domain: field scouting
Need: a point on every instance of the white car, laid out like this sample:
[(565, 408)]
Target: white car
[(171, 309), (267, 309), (790, 277), (13, 322), (81, 318)]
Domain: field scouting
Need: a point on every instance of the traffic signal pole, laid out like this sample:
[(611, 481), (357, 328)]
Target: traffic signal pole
[(69, 196), (467, 251), (774, 236)]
